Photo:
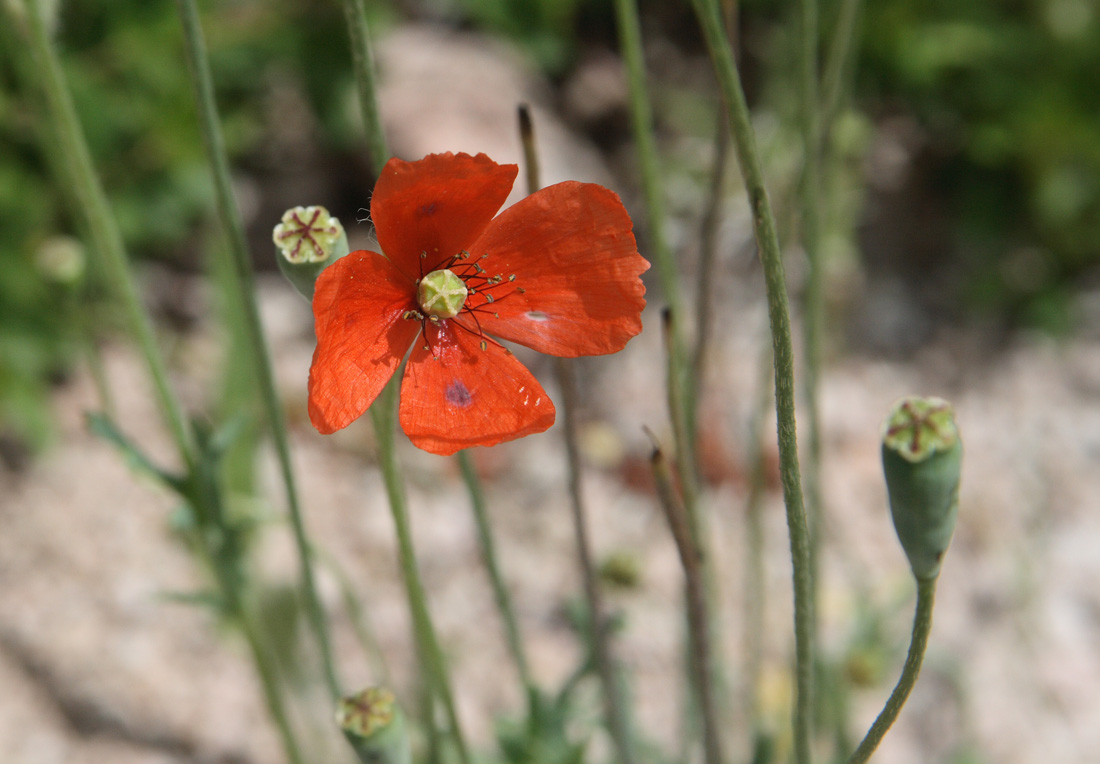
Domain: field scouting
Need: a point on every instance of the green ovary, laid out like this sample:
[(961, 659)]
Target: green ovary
[(442, 294)]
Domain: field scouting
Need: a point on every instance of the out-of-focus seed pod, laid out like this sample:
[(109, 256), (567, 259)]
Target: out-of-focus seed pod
[(922, 461), (309, 239), (375, 726)]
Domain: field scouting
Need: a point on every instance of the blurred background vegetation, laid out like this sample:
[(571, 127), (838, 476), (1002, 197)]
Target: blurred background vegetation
[(990, 108)]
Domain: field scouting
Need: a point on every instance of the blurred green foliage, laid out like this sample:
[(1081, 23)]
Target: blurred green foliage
[(125, 68), (1008, 94)]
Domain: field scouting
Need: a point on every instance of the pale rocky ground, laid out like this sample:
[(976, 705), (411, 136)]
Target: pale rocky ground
[(98, 666)]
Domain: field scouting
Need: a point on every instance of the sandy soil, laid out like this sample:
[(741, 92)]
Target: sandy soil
[(98, 665)]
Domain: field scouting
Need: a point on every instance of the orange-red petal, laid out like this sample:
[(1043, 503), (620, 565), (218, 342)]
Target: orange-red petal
[(358, 304), (576, 265), (459, 393), (437, 206)]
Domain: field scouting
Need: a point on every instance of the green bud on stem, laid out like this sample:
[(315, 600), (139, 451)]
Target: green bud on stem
[(922, 461), (309, 239), (375, 726)]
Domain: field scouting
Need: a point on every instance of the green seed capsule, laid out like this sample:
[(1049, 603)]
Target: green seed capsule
[(375, 726), (442, 293), (922, 461), (309, 239)]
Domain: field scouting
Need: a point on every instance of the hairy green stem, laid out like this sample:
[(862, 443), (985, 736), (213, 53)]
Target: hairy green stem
[(100, 223), (202, 82), (489, 556), (779, 317), (383, 414), (359, 32), (922, 626)]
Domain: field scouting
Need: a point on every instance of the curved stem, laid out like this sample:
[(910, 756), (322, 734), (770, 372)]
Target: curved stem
[(202, 81), (922, 625), (767, 240)]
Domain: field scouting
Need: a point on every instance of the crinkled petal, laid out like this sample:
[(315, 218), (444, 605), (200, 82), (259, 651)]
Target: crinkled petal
[(437, 206), (576, 288), (358, 304), (458, 392)]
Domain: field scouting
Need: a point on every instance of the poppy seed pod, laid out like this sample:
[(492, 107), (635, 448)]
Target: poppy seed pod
[(309, 239), (922, 461), (375, 726)]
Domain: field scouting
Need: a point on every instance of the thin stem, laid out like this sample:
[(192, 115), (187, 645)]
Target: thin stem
[(359, 32), (685, 451), (101, 226), (202, 82), (708, 245), (697, 610), (755, 591), (383, 414), (641, 112), (838, 62), (489, 556), (617, 717), (813, 300), (779, 316), (708, 242), (922, 626)]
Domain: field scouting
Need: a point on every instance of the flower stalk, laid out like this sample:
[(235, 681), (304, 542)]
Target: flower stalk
[(918, 643), (383, 415), (202, 82), (767, 239)]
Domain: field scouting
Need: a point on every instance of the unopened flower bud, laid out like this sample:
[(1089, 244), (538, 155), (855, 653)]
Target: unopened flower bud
[(308, 238), (922, 460), (375, 726)]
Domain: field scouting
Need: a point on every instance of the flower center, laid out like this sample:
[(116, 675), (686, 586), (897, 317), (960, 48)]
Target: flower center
[(442, 294)]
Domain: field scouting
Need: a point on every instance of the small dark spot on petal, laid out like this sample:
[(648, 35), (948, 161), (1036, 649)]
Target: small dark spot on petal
[(427, 210), (458, 395)]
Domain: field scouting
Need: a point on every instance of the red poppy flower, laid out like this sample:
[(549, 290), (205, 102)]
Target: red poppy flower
[(557, 272)]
